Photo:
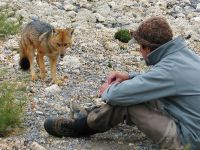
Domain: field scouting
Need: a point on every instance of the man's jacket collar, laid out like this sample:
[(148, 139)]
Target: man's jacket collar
[(164, 50)]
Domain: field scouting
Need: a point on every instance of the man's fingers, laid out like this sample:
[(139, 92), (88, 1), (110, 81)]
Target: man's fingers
[(111, 80)]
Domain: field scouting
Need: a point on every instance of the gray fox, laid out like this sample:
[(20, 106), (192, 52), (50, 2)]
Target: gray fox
[(47, 40)]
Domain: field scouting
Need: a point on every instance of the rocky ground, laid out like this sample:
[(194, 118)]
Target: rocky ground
[(95, 53)]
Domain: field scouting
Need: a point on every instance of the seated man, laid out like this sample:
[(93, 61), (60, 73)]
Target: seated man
[(173, 82)]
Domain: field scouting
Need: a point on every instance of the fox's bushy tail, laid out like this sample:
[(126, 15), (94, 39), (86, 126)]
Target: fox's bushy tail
[(24, 60), (24, 63)]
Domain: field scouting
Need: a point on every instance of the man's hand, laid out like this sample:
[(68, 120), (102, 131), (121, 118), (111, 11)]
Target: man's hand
[(103, 88), (116, 76), (113, 77)]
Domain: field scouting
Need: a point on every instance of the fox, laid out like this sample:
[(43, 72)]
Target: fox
[(43, 38)]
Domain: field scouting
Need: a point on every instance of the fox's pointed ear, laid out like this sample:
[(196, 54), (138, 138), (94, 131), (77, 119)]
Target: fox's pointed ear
[(53, 31), (41, 37), (71, 31)]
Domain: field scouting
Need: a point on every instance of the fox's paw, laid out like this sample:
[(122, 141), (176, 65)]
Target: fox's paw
[(42, 76), (33, 77), (57, 81)]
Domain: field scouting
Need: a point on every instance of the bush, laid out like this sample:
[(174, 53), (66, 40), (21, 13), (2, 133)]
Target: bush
[(123, 35), (8, 27), (12, 102)]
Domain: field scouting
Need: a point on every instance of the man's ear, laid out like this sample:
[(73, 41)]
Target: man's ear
[(146, 49)]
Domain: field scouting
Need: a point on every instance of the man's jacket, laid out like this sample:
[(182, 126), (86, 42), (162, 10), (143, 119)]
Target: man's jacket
[(174, 79)]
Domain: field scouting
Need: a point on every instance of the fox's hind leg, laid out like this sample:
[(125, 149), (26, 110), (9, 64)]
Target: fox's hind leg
[(40, 61)]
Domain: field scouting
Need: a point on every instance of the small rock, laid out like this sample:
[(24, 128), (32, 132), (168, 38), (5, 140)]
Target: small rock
[(53, 89), (71, 14), (39, 113), (2, 5), (70, 61), (112, 46), (112, 4), (36, 146), (104, 10), (99, 26), (198, 7), (196, 19), (99, 17), (178, 9), (69, 7), (16, 58), (2, 57)]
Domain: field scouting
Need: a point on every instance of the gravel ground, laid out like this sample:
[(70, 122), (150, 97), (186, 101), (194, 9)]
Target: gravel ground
[(94, 53)]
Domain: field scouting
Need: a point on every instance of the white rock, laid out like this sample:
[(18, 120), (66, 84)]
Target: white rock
[(71, 14), (2, 4), (181, 15), (39, 112), (69, 7), (186, 1), (112, 4), (198, 6), (16, 58), (99, 17), (85, 15), (99, 26), (178, 9), (104, 10), (162, 3), (196, 19), (53, 89), (82, 3), (36, 146), (70, 61), (2, 57), (112, 46), (87, 6)]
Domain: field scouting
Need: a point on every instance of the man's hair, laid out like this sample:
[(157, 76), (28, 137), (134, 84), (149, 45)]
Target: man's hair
[(153, 33)]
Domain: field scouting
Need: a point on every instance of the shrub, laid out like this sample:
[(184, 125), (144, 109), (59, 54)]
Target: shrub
[(12, 102), (8, 27), (187, 147), (123, 35)]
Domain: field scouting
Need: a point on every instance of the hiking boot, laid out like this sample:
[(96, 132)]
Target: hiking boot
[(60, 127)]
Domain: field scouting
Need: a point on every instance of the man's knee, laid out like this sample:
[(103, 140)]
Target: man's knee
[(105, 117)]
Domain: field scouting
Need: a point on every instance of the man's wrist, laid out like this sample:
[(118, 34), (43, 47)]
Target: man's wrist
[(130, 75)]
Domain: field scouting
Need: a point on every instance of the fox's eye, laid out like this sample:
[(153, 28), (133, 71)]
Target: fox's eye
[(59, 45)]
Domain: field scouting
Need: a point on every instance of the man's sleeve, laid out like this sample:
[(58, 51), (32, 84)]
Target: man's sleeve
[(133, 74), (148, 86)]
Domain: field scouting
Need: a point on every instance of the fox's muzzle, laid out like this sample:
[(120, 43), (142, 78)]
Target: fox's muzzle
[(62, 55)]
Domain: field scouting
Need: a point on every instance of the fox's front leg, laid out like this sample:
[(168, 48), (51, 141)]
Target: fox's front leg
[(40, 61), (53, 62), (30, 49)]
